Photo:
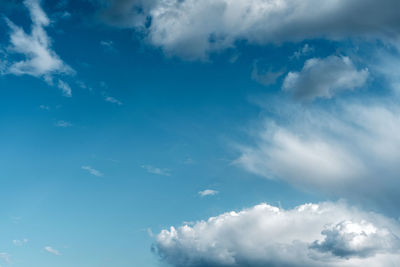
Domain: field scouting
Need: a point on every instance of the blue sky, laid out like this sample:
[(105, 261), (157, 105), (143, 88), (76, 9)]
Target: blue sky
[(199, 133)]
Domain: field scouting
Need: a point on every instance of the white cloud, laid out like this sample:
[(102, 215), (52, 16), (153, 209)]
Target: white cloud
[(323, 78), (20, 242), (44, 107), (65, 88), (268, 236), (52, 250), (112, 100), (39, 58), (349, 150), (192, 28), (304, 51), (92, 171), (348, 239), (155, 170), (208, 192), (63, 124)]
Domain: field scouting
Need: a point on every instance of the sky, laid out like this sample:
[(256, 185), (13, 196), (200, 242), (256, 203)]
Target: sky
[(199, 133)]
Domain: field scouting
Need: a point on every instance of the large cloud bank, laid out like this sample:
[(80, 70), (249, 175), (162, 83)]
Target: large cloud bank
[(325, 234), (349, 150), (192, 28)]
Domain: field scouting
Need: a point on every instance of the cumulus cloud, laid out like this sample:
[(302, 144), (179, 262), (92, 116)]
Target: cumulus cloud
[(208, 192), (308, 235), (349, 150), (192, 28), (323, 78), (92, 171), (348, 239), (39, 58), (52, 251)]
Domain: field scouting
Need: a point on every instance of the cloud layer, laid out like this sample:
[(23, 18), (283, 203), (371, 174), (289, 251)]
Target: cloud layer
[(349, 150), (325, 234), (192, 28)]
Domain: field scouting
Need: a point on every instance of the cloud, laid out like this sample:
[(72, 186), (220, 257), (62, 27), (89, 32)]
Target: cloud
[(92, 171), (44, 107), (125, 13), (265, 77), (21, 242), (158, 171), (5, 257), (63, 124), (39, 58), (323, 78), (269, 236), (65, 88), (112, 100), (108, 46), (304, 51), (208, 192), (348, 150), (348, 239), (52, 251), (191, 29)]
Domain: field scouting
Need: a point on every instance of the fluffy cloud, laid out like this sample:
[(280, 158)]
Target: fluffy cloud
[(324, 78), (348, 239), (192, 28), (39, 58), (350, 151), (325, 234)]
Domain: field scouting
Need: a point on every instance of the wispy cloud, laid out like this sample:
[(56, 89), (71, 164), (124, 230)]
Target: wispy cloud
[(39, 58), (158, 171), (92, 171), (63, 124), (108, 46), (5, 257), (208, 192), (20, 242), (112, 100), (52, 250), (65, 88), (44, 107)]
